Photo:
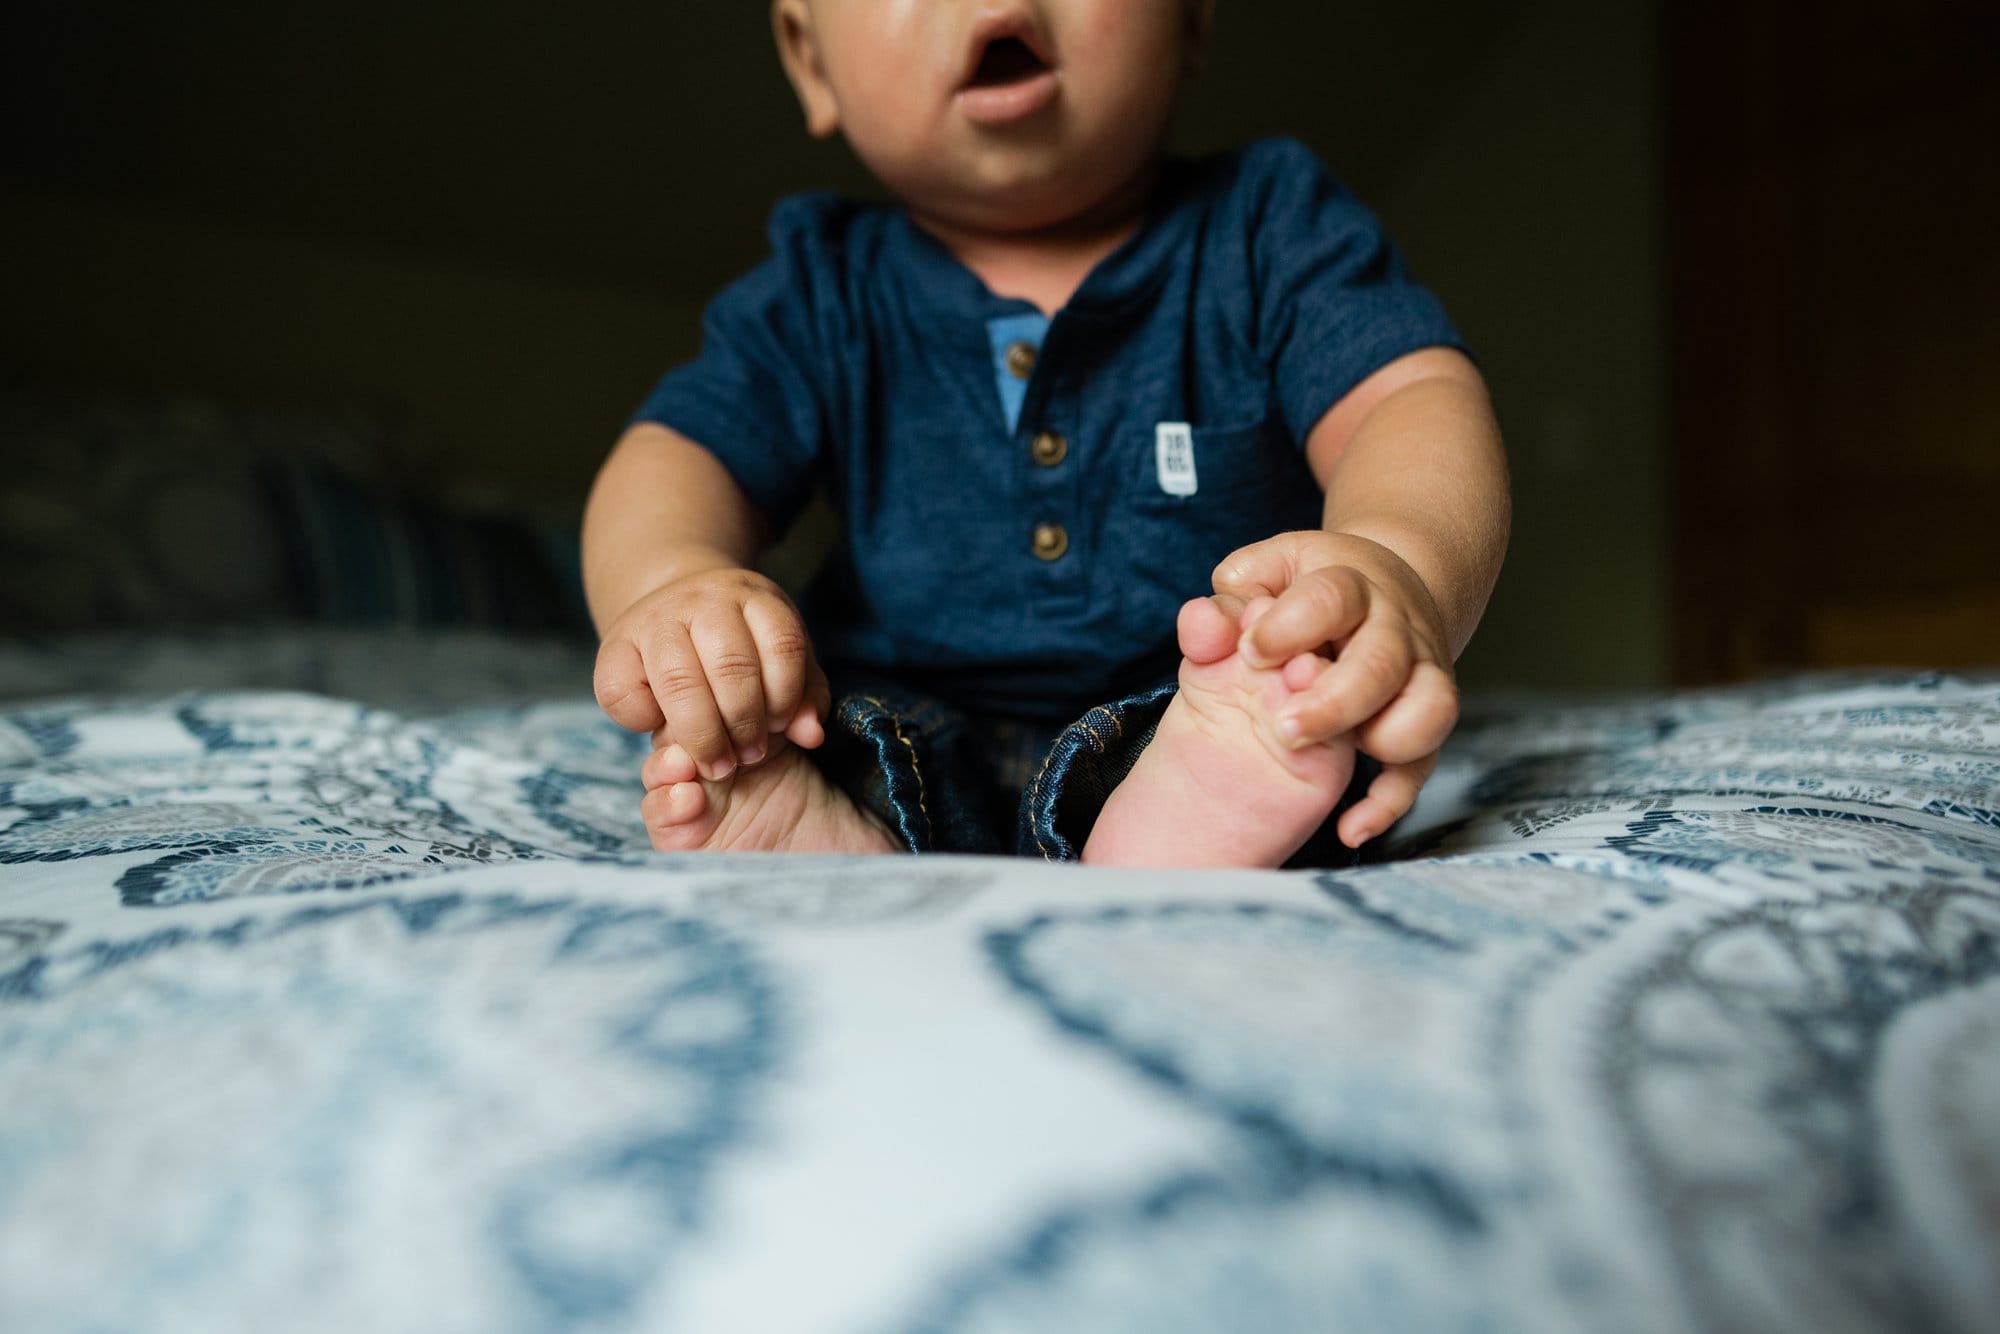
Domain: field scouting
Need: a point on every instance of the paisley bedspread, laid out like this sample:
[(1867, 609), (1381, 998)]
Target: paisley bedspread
[(360, 1004)]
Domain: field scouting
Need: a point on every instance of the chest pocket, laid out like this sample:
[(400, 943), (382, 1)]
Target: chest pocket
[(1248, 483)]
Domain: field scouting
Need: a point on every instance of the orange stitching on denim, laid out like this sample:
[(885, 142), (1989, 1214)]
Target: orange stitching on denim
[(897, 727), (1035, 804), (1117, 728), (1035, 792)]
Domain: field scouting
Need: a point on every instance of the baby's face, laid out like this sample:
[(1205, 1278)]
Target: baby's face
[(996, 115)]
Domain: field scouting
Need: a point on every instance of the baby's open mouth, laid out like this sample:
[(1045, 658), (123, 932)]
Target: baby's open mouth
[(1012, 78), (1006, 60)]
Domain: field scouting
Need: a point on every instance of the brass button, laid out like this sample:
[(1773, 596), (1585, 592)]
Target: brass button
[(1050, 541), (1048, 449), (1020, 359)]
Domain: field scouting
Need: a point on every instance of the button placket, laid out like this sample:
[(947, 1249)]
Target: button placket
[(1014, 343), (1054, 534)]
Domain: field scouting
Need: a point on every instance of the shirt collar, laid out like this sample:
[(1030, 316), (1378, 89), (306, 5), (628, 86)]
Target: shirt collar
[(941, 282)]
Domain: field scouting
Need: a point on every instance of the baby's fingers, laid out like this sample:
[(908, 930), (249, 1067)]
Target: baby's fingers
[(1322, 606), (1389, 799), (1369, 671), (735, 670), (623, 690), (786, 659), (1417, 721), (806, 727), (680, 683)]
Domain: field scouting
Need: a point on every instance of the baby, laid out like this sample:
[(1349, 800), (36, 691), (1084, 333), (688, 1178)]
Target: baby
[(1100, 425)]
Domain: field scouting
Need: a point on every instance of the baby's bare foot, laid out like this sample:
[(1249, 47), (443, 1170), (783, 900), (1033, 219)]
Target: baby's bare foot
[(1217, 786), (783, 804)]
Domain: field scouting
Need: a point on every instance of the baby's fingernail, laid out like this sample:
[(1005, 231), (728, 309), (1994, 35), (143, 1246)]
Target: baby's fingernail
[(1291, 728)]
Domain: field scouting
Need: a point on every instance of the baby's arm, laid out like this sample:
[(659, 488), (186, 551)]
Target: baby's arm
[(1414, 528), (694, 642)]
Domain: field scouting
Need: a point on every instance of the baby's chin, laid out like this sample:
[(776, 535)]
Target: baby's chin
[(1013, 196)]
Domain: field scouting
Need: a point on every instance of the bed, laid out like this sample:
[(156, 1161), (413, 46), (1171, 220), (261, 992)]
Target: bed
[(339, 989)]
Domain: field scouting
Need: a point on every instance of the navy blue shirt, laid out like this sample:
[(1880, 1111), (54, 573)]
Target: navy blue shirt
[(1026, 501)]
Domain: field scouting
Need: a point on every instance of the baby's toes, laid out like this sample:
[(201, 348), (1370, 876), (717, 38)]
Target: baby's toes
[(669, 764), (1303, 670), (670, 812), (1205, 631)]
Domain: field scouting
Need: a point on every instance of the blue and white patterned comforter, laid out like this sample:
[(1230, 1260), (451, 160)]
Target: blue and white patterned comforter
[(362, 1005)]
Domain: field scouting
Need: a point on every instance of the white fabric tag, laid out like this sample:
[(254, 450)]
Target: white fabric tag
[(1173, 450)]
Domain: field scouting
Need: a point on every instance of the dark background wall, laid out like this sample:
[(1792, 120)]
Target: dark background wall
[(497, 223)]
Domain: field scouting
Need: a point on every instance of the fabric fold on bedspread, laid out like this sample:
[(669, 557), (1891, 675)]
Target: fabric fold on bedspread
[(338, 989)]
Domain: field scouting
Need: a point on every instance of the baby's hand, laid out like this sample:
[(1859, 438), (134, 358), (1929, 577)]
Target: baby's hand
[(1390, 683), (717, 661)]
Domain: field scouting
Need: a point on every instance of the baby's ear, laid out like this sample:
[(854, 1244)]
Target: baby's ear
[(798, 49), (1199, 17)]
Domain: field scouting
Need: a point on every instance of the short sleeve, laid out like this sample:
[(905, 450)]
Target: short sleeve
[(754, 396), (1334, 304)]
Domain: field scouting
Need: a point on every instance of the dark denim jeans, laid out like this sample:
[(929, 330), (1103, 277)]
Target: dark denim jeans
[(945, 780)]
